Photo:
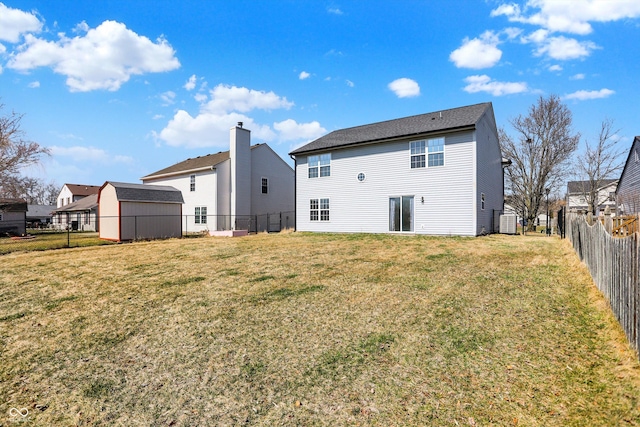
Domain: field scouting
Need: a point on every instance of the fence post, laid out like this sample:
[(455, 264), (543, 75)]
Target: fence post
[(608, 221)]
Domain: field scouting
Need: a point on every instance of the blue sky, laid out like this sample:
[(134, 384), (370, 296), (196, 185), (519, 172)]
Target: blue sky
[(119, 89)]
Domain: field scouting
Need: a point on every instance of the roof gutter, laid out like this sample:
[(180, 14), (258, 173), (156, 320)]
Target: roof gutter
[(182, 172)]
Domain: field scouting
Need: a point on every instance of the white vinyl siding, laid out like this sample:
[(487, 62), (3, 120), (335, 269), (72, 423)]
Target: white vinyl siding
[(489, 178), (363, 206), (206, 180), (266, 164)]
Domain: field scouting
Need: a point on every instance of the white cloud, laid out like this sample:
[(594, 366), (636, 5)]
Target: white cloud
[(555, 67), (290, 130), (168, 98), (227, 106), (15, 22), (89, 154), (157, 117), (232, 98), (200, 97), (484, 83), (563, 48), (350, 83), (477, 53), (512, 32), (208, 129), (104, 58), (405, 88), (191, 83), (583, 95), (34, 84), (578, 76), (335, 11), (304, 75), (572, 16)]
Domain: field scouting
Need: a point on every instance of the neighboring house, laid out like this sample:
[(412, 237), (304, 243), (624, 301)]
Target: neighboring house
[(138, 211), (228, 190), (71, 193), (438, 173), (13, 217), (81, 215), (39, 216), (577, 195), (628, 191)]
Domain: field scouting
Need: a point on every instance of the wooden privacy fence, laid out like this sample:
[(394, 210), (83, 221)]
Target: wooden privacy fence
[(623, 225), (614, 266)]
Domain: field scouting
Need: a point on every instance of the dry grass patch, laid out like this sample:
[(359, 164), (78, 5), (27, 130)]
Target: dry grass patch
[(312, 329)]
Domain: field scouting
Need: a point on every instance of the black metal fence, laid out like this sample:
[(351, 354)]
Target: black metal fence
[(270, 222)]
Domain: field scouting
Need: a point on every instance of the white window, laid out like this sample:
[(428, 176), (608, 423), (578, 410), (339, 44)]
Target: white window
[(401, 213), (417, 154), (436, 152), (319, 209), (319, 165), (192, 183), (201, 214), (265, 185), (482, 201)]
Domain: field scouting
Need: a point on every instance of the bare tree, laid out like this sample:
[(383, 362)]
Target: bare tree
[(34, 190), (16, 151), (539, 153), (599, 163)]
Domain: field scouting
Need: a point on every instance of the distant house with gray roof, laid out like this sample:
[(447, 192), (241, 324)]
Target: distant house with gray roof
[(578, 195), (229, 190), (81, 215), (439, 173), (39, 216), (137, 211), (69, 194)]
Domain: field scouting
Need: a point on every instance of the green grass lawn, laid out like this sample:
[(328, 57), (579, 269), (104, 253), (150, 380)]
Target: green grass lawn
[(312, 329), (40, 240)]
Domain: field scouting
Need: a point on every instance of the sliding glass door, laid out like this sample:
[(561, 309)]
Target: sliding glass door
[(401, 213)]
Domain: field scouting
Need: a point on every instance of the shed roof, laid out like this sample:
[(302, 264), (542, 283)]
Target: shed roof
[(13, 205), (85, 204), (574, 187), (83, 190), (437, 121), (126, 192), (194, 164)]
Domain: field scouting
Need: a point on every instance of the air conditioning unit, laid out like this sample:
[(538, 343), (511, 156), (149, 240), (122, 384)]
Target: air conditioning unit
[(508, 224)]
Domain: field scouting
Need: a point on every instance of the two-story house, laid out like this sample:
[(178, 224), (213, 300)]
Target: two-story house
[(230, 190), (439, 173), (578, 195)]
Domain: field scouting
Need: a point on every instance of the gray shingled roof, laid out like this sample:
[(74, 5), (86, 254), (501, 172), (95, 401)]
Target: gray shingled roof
[(437, 121), (39, 211), (85, 204), (126, 192), (582, 186), (200, 162)]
